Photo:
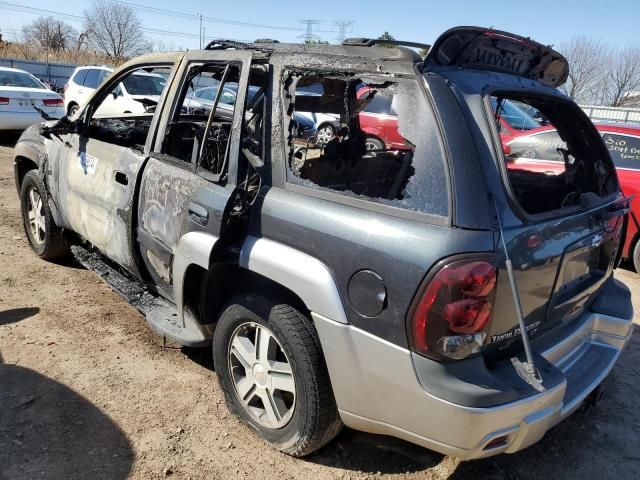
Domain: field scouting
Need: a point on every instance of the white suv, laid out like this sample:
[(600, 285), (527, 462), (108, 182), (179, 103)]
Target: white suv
[(82, 84), (134, 95)]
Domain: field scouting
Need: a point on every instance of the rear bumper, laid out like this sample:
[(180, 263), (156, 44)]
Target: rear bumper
[(23, 120), (377, 389)]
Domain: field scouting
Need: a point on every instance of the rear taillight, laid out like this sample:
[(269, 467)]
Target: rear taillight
[(4, 101), (453, 313), (53, 102)]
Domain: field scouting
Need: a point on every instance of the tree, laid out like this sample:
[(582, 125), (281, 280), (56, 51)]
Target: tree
[(114, 29), (587, 58), (386, 36), (49, 33), (623, 77)]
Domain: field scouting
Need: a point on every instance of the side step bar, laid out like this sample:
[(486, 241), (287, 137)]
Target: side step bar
[(161, 314)]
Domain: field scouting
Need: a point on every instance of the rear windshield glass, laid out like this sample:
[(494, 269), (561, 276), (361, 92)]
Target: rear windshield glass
[(18, 79), (624, 150), (373, 138), (560, 163)]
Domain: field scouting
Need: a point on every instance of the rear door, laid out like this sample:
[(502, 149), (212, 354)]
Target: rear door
[(188, 181)]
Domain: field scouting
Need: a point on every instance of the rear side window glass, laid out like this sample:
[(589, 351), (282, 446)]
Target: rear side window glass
[(624, 150), (92, 80), (383, 145), (554, 157), (79, 77)]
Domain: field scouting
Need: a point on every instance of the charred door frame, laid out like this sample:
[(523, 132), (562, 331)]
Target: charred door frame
[(199, 192)]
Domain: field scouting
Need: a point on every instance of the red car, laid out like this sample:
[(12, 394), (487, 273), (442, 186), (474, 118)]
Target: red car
[(538, 151), (380, 122)]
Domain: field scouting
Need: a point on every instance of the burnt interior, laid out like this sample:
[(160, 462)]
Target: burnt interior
[(586, 175), (128, 131), (367, 154)]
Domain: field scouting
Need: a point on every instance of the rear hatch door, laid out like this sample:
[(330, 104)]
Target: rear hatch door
[(487, 49)]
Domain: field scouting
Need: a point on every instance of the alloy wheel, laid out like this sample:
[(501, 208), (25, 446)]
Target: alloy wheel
[(35, 210), (262, 375)]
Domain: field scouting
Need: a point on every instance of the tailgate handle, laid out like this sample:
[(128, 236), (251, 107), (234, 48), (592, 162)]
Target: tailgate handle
[(198, 213)]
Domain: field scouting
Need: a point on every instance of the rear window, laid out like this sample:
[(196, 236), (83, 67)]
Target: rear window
[(78, 78), (92, 79), (624, 150), (18, 79), (385, 146), (561, 163)]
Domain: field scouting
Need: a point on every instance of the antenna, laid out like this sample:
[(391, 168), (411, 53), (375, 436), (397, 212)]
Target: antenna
[(344, 27), (308, 35)]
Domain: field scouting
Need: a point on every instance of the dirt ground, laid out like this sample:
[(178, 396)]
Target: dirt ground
[(87, 391)]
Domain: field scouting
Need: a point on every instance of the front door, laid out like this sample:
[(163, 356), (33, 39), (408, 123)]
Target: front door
[(99, 173), (191, 174)]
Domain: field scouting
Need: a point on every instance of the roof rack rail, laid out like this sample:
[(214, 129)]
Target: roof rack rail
[(222, 44), (371, 42), (266, 40)]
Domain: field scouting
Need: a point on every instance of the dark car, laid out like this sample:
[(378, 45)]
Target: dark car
[(428, 292)]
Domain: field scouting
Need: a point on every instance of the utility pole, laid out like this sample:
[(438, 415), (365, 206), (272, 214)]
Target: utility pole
[(344, 27), (309, 36), (201, 35)]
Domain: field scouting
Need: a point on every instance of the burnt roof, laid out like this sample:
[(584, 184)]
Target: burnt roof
[(396, 52)]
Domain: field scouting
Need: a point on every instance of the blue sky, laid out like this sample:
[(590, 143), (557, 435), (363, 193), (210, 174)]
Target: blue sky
[(549, 22)]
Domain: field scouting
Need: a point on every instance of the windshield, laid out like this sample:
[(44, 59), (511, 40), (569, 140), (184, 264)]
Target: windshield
[(138, 84), (18, 79), (516, 117)]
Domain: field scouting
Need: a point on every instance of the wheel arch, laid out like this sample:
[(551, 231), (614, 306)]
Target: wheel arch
[(23, 165), (204, 283)]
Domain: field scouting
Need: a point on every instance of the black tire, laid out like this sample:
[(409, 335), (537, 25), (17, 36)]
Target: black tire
[(636, 256), (315, 420), (73, 108), (50, 244), (373, 143)]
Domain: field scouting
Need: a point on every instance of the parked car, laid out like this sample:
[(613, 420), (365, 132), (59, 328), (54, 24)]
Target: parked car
[(139, 93), (325, 124), (205, 97), (83, 82), (24, 100), (379, 121), (392, 291), (539, 151)]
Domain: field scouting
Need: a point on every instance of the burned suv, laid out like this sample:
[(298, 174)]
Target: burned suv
[(408, 278)]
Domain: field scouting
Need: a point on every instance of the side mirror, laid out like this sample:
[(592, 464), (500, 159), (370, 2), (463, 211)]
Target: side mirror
[(63, 126)]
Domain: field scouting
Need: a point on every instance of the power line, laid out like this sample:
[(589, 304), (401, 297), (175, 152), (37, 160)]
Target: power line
[(344, 27), (173, 13), (79, 19), (309, 36)]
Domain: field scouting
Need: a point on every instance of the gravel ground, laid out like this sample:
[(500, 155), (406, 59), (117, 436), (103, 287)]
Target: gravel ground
[(88, 391)]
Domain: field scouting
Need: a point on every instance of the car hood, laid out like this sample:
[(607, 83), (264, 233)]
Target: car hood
[(487, 49)]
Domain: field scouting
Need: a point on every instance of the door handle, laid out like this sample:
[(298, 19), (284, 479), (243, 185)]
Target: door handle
[(198, 213), (121, 178)]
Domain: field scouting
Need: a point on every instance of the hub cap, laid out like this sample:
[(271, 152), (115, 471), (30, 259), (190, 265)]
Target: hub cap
[(35, 211), (325, 134), (262, 375)]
